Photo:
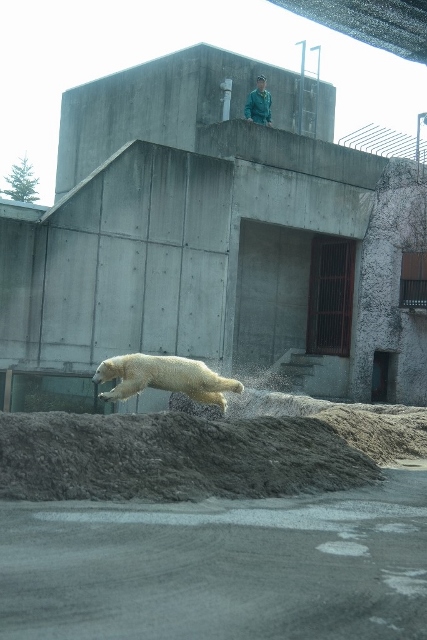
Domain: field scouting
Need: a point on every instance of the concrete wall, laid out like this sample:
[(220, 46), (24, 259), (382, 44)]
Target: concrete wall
[(136, 260), (19, 290), (286, 150), (300, 201), (331, 379), (272, 294), (398, 223), (165, 101), (166, 251)]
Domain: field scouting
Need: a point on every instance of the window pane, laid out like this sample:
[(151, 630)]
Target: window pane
[(34, 392)]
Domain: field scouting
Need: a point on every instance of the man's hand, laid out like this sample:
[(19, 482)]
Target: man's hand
[(249, 119), (269, 124)]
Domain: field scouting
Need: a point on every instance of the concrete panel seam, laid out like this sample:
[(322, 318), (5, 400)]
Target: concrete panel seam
[(150, 196), (304, 173), (95, 293), (43, 298), (30, 310), (184, 217)]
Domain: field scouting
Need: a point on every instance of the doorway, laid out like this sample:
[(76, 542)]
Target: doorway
[(380, 376)]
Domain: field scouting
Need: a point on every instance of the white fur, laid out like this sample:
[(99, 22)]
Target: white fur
[(170, 373)]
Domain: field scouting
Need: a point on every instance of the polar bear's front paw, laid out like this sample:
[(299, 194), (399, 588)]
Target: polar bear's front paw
[(105, 397)]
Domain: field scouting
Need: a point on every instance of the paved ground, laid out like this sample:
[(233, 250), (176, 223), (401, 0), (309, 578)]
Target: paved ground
[(347, 565)]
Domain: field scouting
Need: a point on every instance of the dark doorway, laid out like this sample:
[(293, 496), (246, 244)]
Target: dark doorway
[(331, 296), (380, 376)]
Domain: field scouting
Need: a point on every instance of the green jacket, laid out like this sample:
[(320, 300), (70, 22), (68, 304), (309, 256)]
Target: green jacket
[(258, 106)]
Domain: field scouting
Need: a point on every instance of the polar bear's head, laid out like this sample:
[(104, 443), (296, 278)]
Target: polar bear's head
[(105, 372)]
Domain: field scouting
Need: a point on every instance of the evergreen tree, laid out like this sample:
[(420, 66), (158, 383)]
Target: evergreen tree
[(22, 182)]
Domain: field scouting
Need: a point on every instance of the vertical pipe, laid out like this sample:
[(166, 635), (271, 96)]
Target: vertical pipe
[(226, 100), (301, 87)]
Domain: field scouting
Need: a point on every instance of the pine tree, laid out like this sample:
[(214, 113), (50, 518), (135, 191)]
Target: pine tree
[(22, 182)]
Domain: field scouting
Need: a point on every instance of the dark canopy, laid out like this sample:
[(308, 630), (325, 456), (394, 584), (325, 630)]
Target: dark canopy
[(397, 26)]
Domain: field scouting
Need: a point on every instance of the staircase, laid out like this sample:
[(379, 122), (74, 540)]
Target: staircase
[(293, 368)]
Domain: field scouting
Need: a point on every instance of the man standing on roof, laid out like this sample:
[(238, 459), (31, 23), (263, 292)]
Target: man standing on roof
[(258, 104)]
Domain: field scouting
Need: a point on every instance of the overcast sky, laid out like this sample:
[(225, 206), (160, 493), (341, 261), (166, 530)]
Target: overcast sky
[(51, 46)]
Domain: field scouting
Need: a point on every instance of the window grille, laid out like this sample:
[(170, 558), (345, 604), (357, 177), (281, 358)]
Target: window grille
[(413, 280), (331, 296)]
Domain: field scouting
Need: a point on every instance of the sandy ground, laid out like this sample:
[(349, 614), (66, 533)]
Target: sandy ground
[(269, 445)]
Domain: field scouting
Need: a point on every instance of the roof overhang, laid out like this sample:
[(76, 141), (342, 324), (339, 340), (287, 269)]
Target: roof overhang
[(397, 26)]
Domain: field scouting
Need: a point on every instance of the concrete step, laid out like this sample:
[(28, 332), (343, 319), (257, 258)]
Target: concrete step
[(288, 383), (297, 370), (333, 399), (303, 358)]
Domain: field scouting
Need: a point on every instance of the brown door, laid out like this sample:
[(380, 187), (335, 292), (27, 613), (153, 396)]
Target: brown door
[(331, 296)]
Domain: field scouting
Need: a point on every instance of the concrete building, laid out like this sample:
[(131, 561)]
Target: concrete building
[(175, 232), (167, 101)]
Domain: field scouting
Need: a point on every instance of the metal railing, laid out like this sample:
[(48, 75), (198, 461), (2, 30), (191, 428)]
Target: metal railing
[(413, 294), (386, 142)]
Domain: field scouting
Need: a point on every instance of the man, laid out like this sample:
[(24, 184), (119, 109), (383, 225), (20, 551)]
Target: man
[(258, 104)]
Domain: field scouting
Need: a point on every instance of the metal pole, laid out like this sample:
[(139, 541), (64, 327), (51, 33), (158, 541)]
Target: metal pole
[(318, 48), (301, 87), (421, 116)]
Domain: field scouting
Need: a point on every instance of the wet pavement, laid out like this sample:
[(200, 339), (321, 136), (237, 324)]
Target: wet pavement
[(344, 565)]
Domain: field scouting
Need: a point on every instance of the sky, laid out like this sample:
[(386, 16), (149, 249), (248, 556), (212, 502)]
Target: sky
[(48, 47)]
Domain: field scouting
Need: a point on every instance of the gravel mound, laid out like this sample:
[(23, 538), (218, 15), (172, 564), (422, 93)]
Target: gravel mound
[(174, 456)]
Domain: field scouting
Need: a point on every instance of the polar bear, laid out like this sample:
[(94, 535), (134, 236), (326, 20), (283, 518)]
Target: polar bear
[(170, 373)]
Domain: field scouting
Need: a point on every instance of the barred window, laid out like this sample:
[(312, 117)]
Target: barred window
[(331, 296), (413, 280)]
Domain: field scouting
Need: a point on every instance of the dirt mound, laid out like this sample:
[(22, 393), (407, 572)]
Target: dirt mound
[(384, 437), (319, 446), (172, 456)]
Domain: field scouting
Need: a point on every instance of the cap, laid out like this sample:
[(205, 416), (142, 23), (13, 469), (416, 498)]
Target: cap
[(262, 78)]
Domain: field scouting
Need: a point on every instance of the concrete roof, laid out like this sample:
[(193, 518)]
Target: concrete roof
[(15, 210), (397, 26)]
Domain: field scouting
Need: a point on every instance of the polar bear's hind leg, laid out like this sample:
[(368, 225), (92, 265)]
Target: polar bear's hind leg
[(217, 383), (209, 398)]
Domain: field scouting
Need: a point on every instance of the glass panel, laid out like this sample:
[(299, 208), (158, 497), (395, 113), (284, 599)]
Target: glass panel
[(35, 392)]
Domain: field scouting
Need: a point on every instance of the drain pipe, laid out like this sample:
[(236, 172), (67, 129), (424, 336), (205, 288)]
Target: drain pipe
[(226, 87)]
